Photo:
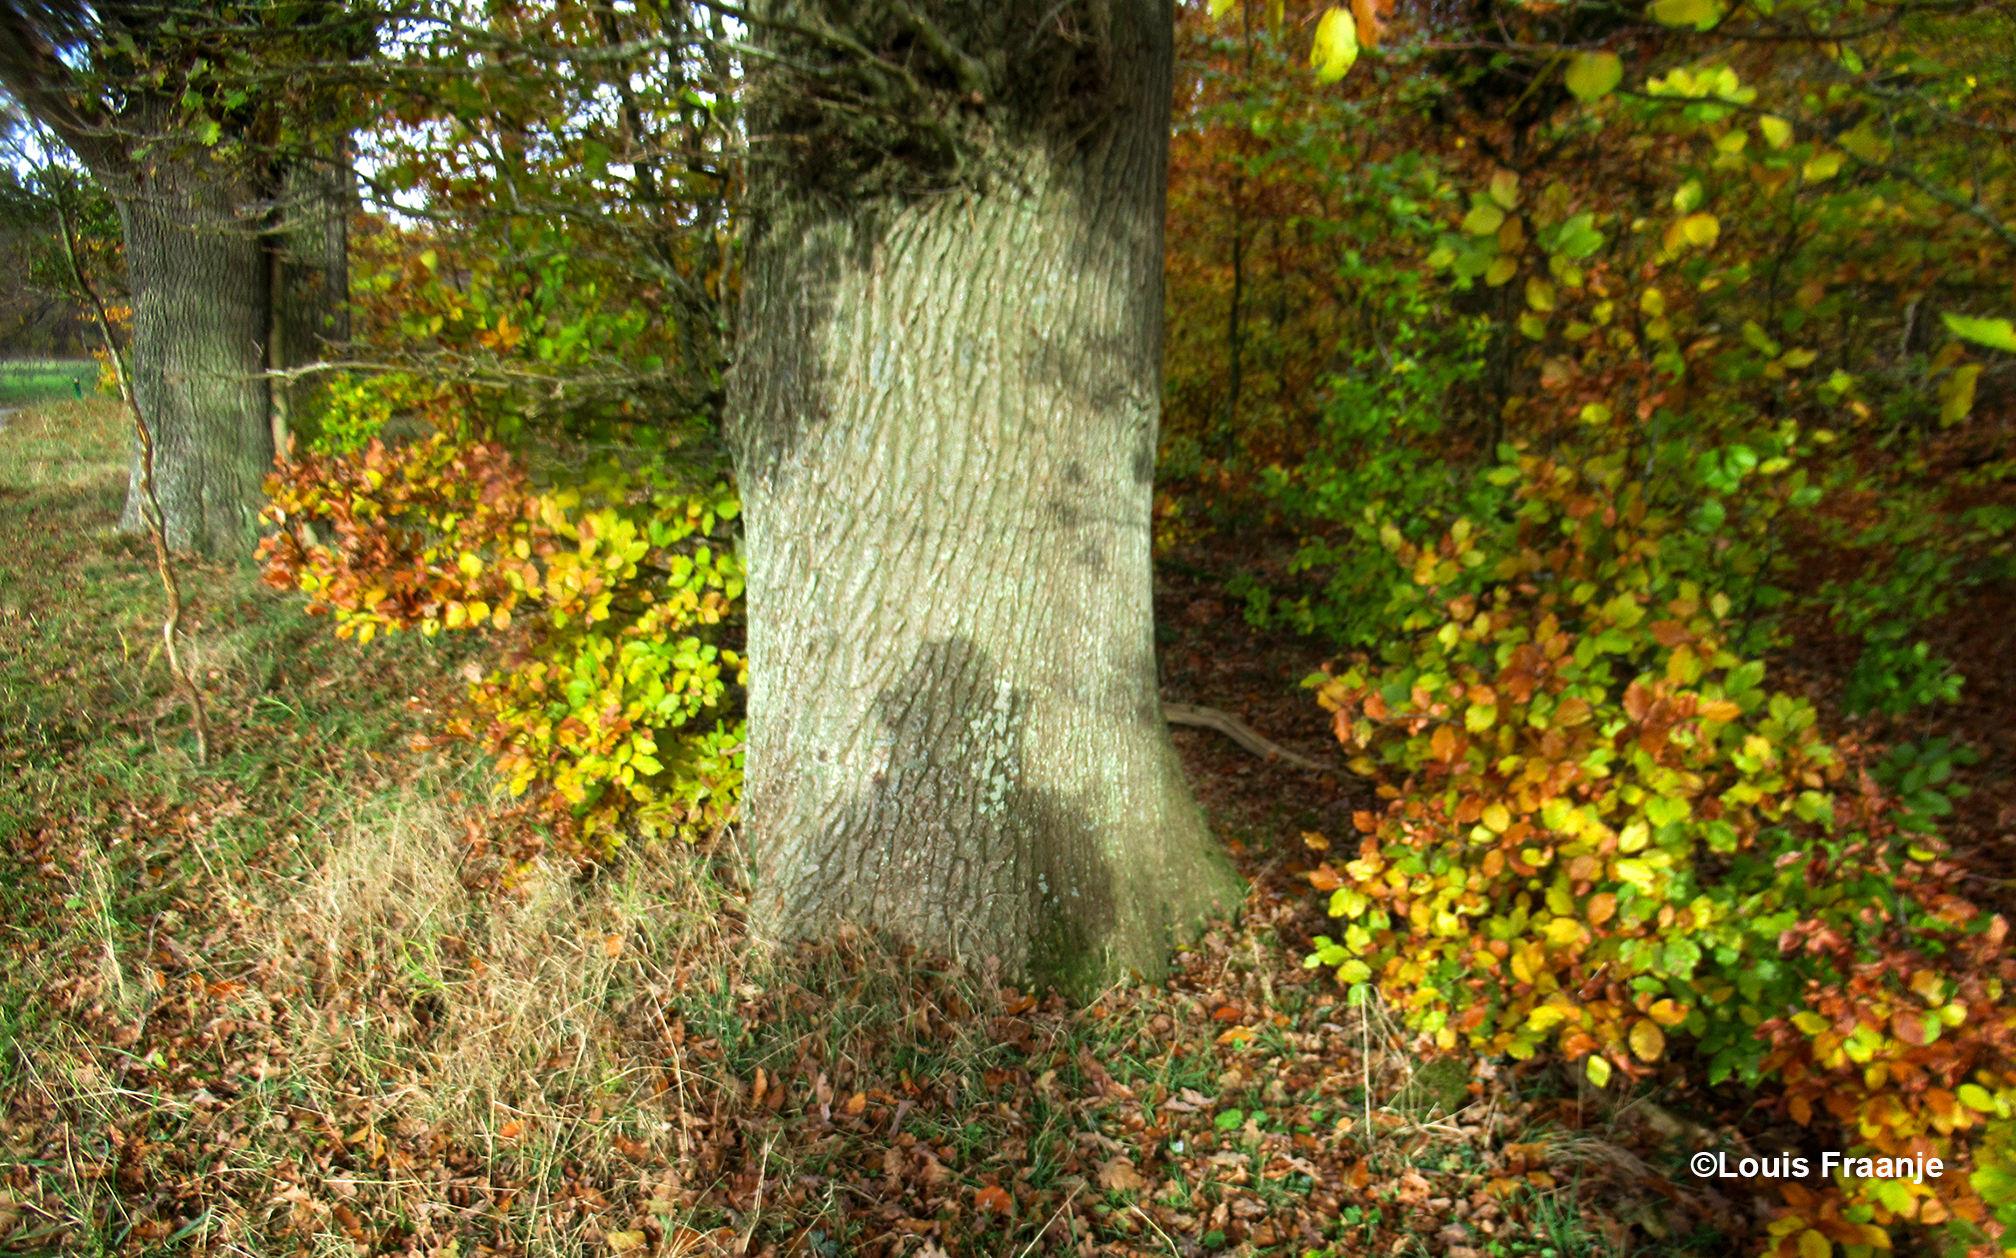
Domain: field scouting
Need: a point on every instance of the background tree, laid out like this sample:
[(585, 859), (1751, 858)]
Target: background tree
[(224, 201)]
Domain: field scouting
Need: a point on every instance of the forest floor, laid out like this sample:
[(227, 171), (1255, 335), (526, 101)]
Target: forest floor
[(282, 1003)]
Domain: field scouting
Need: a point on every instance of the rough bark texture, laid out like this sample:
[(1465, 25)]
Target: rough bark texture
[(309, 261), (945, 412), (201, 278), (201, 291)]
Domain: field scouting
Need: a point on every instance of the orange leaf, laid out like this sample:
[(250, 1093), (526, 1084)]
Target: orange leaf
[(1908, 1025), (1324, 878), (855, 1104), (1669, 632), (1573, 711), (1719, 710), (1228, 1013), (1636, 701), (1602, 907), (992, 1198), (1366, 13), (1443, 742)]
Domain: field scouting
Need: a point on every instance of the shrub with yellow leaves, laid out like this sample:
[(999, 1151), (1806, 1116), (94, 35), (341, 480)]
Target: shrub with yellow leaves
[(613, 602), (1605, 835)]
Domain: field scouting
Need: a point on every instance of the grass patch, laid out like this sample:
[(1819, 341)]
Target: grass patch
[(289, 1004), (25, 382)]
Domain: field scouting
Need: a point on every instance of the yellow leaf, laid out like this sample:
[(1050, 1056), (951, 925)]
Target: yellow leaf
[(1505, 188), (1539, 294), (1483, 220), (1975, 1097), (1594, 75), (1701, 229), (1699, 14), (1219, 8), (1667, 1012), (1545, 1017), (1497, 817), (1599, 1070), (1501, 270), (1777, 132), (1336, 46), (1647, 1040), (1821, 166), (624, 1242), (1814, 1244)]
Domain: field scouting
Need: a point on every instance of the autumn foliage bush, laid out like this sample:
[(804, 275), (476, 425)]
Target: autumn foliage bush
[(614, 600), (1606, 833), (1685, 316)]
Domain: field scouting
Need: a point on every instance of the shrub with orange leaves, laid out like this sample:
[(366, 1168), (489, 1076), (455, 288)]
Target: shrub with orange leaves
[(613, 601), (1606, 835)]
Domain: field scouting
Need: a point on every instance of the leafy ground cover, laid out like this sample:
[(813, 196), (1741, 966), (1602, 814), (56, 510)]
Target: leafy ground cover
[(292, 1004)]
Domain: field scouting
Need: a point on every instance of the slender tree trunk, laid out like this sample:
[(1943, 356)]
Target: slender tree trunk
[(309, 261), (945, 412), (201, 291)]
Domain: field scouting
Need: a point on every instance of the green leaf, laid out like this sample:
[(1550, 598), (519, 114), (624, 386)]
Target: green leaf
[(1956, 394), (1994, 333), (1336, 46), (1594, 75), (1699, 14), (1229, 1119), (1484, 219), (1578, 238), (1777, 132)]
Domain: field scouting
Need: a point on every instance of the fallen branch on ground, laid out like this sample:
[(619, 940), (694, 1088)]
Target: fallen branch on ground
[(1239, 732)]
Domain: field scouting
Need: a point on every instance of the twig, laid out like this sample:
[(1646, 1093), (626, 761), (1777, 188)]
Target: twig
[(150, 505), (1238, 731)]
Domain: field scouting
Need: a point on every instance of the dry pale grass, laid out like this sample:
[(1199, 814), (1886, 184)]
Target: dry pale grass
[(68, 444)]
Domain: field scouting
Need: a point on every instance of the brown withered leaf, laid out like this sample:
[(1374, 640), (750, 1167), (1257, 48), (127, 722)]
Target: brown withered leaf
[(1119, 1175)]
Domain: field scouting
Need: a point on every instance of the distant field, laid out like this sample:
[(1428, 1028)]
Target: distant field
[(30, 380)]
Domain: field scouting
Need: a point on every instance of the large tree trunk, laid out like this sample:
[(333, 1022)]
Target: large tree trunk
[(945, 414), (201, 317)]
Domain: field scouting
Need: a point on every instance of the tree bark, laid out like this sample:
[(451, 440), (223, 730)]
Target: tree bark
[(944, 410), (201, 280), (309, 262), (201, 317)]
